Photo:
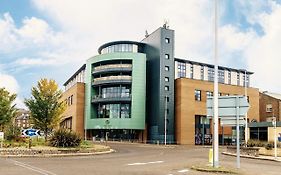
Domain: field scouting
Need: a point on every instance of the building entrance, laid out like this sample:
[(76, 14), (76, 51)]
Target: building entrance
[(203, 134)]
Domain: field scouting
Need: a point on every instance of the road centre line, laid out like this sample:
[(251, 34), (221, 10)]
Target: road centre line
[(33, 168), (183, 171), (144, 163)]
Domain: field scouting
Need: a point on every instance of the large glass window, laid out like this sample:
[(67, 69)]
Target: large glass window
[(120, 48), (115, 92), (125, 111), (114, 111), (181, 69)]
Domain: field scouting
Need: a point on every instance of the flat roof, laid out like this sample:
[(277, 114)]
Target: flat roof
[(76, 73), (211, 65)]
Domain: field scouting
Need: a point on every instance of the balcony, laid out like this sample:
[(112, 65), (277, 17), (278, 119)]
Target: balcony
[(117, 98), (120, 79), (112, 68)]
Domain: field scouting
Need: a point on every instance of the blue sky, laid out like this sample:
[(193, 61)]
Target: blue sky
[(52, 39)]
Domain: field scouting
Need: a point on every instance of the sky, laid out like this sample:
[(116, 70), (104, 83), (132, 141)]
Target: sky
[(53, 38)]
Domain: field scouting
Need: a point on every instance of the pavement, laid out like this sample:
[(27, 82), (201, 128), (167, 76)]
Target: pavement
[(136, 159)]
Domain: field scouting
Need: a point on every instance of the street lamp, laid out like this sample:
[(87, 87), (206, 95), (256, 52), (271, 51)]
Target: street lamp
[(216, 90), (275, 141)]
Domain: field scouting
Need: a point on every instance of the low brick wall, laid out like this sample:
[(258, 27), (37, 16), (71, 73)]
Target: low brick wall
[(22, 151), (250, 151)]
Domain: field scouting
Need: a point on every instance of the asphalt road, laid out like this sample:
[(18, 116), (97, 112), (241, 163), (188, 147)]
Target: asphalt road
[(136, 159)]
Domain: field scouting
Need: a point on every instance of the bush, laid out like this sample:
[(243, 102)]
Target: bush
[(65, 138), (255, 143), (12, 132)]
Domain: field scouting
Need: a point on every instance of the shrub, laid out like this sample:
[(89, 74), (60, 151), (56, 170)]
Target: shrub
[(255, 143), (269, 145), (65, 138), (12, 132)]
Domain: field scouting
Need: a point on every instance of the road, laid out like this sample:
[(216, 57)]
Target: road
[(136, 159)]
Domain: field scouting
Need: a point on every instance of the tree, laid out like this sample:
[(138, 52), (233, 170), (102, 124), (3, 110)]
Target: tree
[(45, 106), (7, 107)]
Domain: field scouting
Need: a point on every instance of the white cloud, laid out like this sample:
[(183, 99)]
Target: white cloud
[(9, 82), (96, 22), (86, 24), (11, 85), (263, 55)]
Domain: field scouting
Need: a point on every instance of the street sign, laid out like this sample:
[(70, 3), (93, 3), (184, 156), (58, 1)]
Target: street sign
[(231, 110), (30, 132), (228, 105)]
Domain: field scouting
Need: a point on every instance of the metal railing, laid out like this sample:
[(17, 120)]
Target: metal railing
[(112, 66)]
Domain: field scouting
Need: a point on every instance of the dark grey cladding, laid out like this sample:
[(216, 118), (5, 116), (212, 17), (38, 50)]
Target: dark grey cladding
[(158, 46)]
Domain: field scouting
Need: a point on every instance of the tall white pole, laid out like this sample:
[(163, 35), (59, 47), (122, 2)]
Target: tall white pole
[(275, 139), (165, 135), (246, 115), (216, 91)]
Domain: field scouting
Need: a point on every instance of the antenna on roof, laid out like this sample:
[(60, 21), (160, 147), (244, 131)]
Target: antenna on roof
[(166, 24), (146, 34)]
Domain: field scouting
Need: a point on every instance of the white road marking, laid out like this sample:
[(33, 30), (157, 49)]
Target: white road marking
[(144, 163), (33, 168), (183, 171)]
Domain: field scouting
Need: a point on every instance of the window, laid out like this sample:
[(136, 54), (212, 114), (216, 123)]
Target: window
[(167, 56), (114, 111), (197, 95), (71, 99), (202, 72), (269, 108), (167, 79), (191, 71), (167, 68), (168, 99), (221, 76), (209, 94), (166, 88), (211, 73), (247, 80), (238, 78), (167, 40), (181, 69), (229, 77), (167, 111)]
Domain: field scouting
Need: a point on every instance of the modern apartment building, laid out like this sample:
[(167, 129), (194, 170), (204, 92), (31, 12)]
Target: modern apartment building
[(115, 93), (130, 90)]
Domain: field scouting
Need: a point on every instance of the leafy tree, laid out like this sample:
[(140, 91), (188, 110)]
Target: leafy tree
[(7, 107), (45, 106)]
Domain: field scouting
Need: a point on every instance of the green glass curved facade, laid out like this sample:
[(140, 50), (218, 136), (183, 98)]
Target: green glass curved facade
[(115, 91)]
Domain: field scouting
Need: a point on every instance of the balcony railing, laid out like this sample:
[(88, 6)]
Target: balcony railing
[(113, 66), (113, 79), (115, 98)]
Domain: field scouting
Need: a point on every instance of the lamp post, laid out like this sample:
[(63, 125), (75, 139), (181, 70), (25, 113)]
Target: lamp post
[(275, 140), (216, 116)]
